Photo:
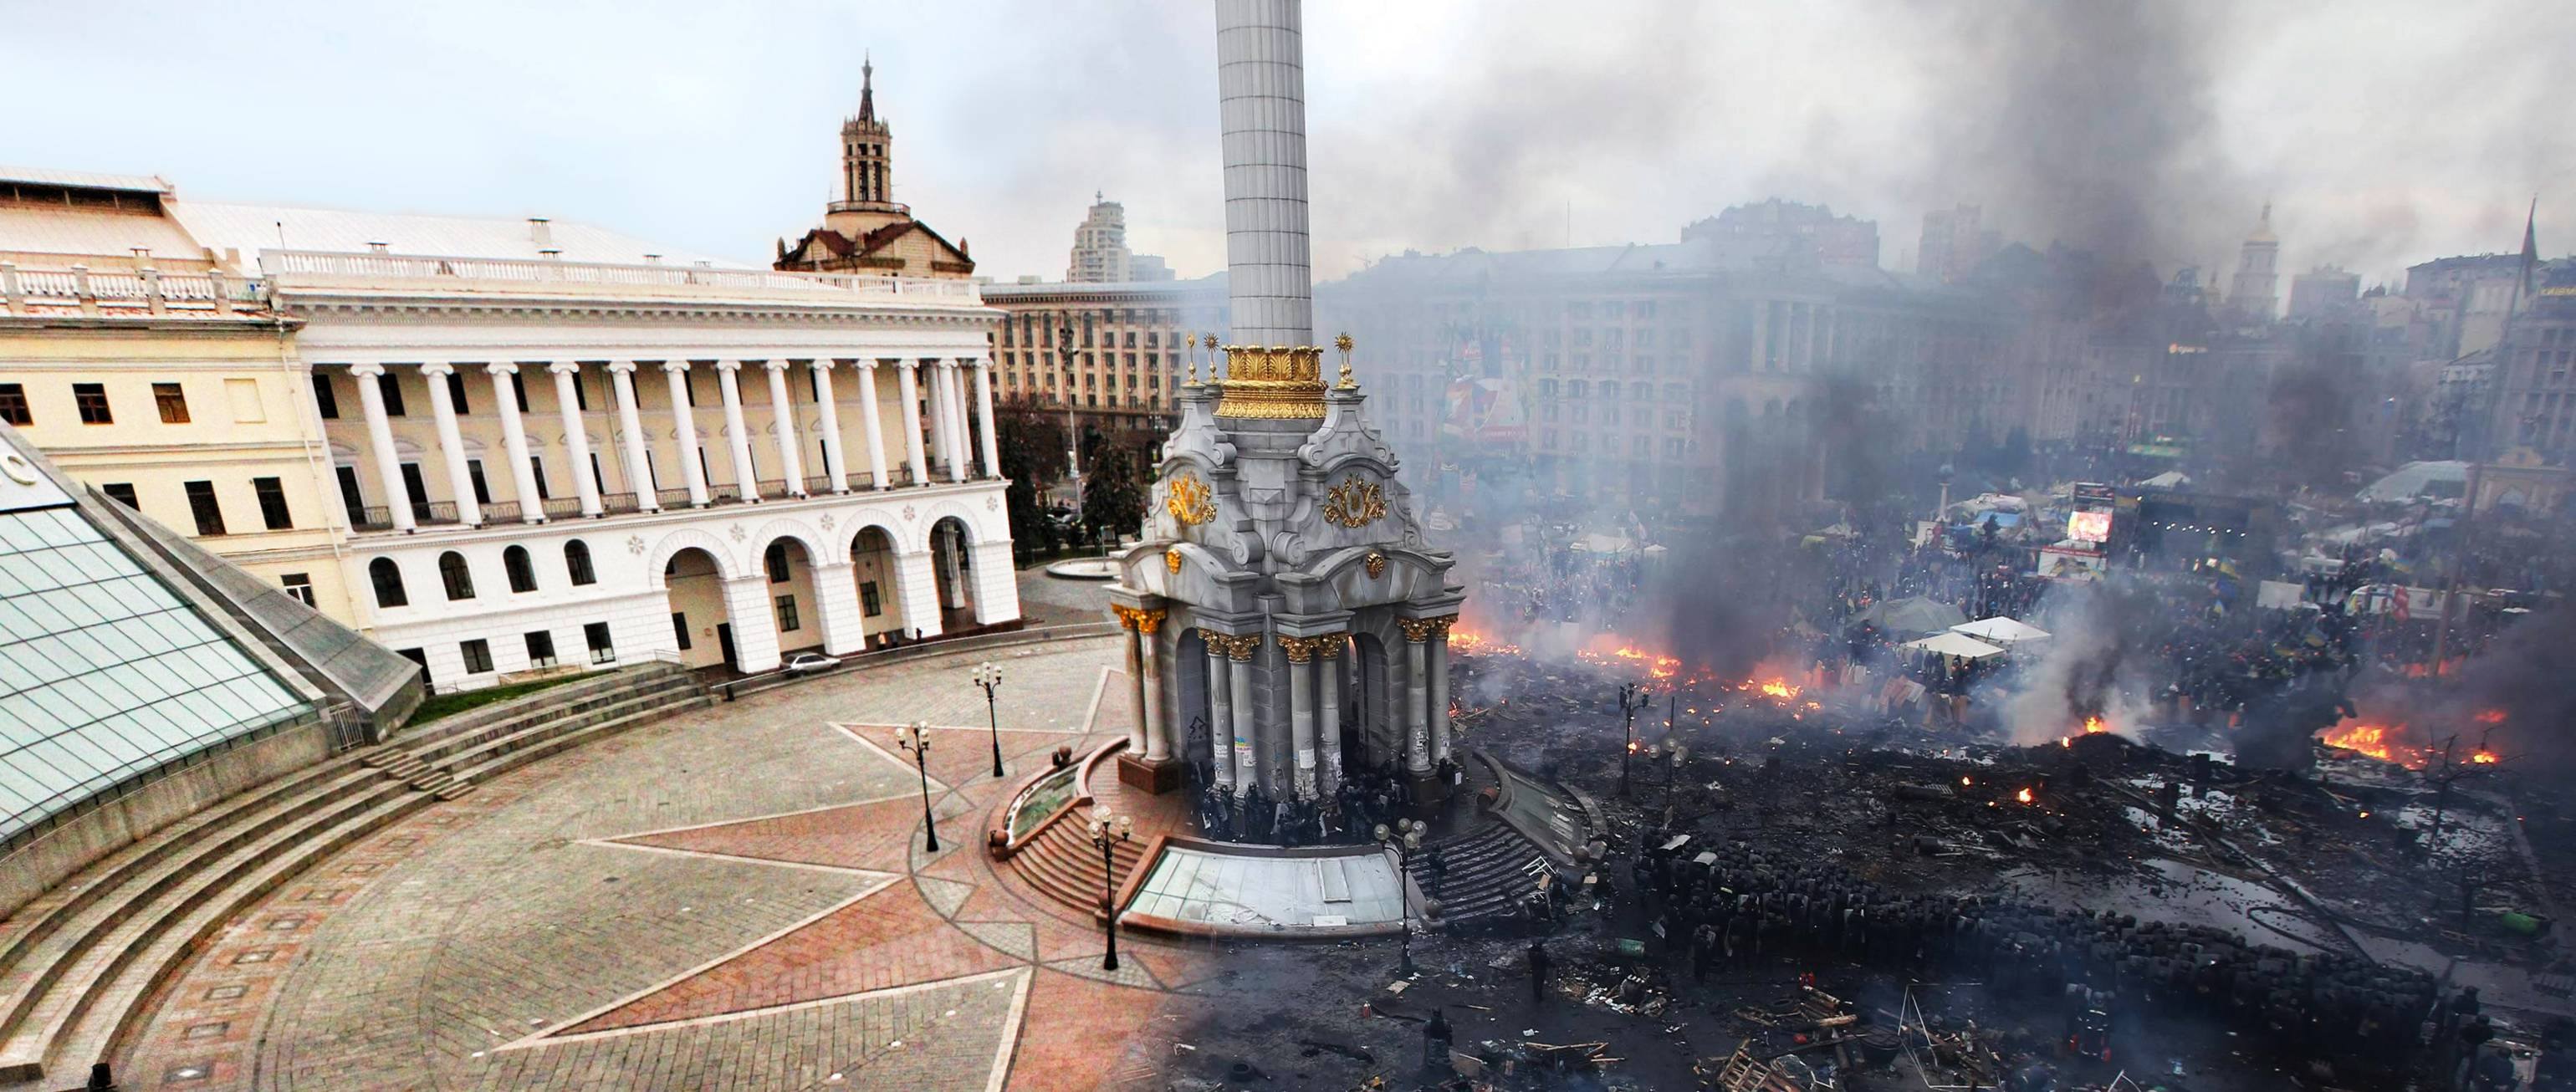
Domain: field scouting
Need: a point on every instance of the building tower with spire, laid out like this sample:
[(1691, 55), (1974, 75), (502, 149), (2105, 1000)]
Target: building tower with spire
[(865, 230), (2254, 293)]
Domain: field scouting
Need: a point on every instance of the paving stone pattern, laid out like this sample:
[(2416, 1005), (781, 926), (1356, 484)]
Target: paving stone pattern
[(736, 897)]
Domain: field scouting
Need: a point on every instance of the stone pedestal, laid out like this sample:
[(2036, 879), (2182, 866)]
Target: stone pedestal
[(1430, 794), (1156, 776)]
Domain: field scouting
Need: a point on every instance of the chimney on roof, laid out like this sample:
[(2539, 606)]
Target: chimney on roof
[(542, 233), (652, 259), (378, 247)]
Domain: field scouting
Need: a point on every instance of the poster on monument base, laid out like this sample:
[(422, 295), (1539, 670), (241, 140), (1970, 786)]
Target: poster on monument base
[(2071, 561)]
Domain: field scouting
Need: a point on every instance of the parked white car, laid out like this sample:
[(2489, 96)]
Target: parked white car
[(807, 663)]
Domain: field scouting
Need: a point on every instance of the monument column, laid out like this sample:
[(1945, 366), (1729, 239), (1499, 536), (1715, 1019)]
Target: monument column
[(1417, 744), (1221, 709), (1301, 711), (1136, 737), (1438, 655), (1158, 742), (1238, 654), (1328, 720)]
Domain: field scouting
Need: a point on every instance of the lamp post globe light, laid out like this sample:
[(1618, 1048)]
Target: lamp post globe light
[(1404, 837), (1107, 831), (1632, 697), (915, 737), (989, 676)]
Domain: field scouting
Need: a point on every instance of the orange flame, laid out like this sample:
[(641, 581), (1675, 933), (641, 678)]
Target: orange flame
[(2023, 796), (2095, 724), (1776, 688), (2377, 741), (2484, 758)]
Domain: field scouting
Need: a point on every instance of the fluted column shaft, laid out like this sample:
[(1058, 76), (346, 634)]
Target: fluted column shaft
[(451, 443), (380, 436), (639, 465), (911, 393), (984, 416), (782, 415), (834, 465), (576, 437), (514, 439), (746, 477), (684, 421), (870, 425)]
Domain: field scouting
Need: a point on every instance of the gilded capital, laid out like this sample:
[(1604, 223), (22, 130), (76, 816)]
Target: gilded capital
[(1300, 649), (1149, 622), (1418, 630)]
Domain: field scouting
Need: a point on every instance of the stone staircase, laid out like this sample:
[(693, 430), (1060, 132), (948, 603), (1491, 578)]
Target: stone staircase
[(1489, 869), (78, 964), (1063, 864)]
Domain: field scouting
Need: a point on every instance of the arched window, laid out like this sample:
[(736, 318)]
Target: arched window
[(515, 565), (577, 562), (388, 580), (452, 572)]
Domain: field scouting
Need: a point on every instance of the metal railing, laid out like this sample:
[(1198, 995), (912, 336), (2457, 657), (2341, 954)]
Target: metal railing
[(671, 498), (127, 293), (818, 484), (862, 479), (618, 504), (541, 270), (559, 507)]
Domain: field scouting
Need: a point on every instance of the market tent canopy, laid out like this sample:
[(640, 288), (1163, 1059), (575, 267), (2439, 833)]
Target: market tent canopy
[(2001, 630), (1955, 644), (2442, 478), (2171, 479), (1915, 615)]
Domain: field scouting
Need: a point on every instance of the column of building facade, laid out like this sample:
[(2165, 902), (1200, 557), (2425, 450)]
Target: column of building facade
[(1417, 692), (684, 421), (943, 426), (630, 426), (746, 477), (451, 443), (870, 425), (984, 414), (576, 436), (1301, 713), (834, 465), (910, 391), (782, 417), (1221, 710), (1158, 742), (380, 436), (514, 440), (961, 439)]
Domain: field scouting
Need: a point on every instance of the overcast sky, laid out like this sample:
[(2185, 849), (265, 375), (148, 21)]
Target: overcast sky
[(2384, 133)]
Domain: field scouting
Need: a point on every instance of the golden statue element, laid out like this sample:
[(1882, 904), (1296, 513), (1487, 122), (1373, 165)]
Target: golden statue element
[(1356, 502), (1344, 343), (1275, 382), (1376, 564), (1172, 560), (1189, 500), (1191, 342)]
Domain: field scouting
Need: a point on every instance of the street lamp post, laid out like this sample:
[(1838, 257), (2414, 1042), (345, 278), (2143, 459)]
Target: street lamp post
[(1632, 697), (1404, 838), (989, 676), (1106, 832), (1072, 432), (915, 737)]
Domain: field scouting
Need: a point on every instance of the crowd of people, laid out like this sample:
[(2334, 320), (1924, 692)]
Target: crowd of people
[(1738, 907), (1349, 811)]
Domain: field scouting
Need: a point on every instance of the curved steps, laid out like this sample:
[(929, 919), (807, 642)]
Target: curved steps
[(78, 964), (1489, 869), (1062, 864)]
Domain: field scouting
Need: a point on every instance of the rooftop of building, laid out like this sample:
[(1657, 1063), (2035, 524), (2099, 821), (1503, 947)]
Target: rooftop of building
[(250, 230), (1001, 293)]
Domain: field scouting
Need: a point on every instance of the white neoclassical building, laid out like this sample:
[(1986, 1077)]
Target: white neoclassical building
[(550, 459)]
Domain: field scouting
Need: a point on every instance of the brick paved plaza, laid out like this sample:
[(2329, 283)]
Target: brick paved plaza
[(735, 898)]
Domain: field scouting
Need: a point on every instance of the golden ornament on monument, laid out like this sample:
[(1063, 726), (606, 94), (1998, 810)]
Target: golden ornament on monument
[(1189, 500), (1172, 561), (1376, 565), (1357, 502)]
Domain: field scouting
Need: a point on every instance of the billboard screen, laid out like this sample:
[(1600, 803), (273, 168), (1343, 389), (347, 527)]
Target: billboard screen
[(2089, 526)]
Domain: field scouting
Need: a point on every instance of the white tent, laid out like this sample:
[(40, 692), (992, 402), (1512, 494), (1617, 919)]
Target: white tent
[(1955, 644), (2171, 479), (2002, 631)]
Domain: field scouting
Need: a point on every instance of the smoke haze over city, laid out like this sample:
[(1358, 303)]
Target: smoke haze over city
[(2381, 133)]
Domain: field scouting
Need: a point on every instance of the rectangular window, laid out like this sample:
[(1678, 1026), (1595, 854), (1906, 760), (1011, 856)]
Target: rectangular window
[(201, 501), (580, 393), (244, 396), (595, 635), (868, 604), (172, 402), (680, 629), (324, 399), (537, 466), (391, 391), (298, 585), (541, 649), (787, 622), (456, 393), (92, 400), (474, 474), (272, 503), (519, 391), (478, 656), (122, 493)]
